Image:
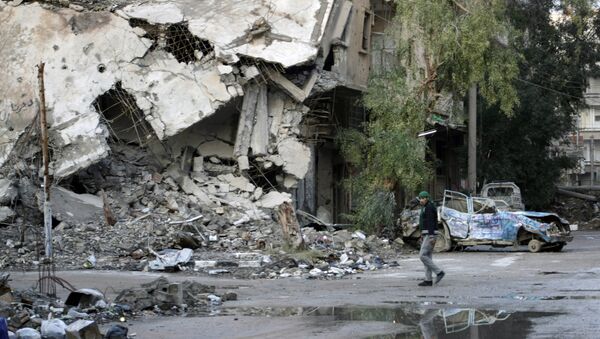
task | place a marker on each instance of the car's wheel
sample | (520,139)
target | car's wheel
(443,242)
(534,245)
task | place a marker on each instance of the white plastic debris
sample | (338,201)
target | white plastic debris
(53,329)
(360,235)
(343,258)
(170,258)
(90,262)
(28,333)
(214,300)
(315,272)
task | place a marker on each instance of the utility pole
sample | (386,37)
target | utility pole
(472,141)
(46,269)
(592,169)
(44,144)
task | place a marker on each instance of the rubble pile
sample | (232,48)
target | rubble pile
(185,152)
(174,220)
(585,214)
(29,314)
(152,211)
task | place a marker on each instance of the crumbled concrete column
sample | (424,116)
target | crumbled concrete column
(260,132)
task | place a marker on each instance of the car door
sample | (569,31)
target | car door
(455,213)
(485,222)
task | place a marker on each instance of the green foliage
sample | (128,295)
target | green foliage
(375,211)
(462,45)
(441,48)
(557,59)
(387,153)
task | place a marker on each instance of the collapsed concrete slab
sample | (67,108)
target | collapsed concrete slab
(268,31)
(274,199)
(77,208)
(171,62)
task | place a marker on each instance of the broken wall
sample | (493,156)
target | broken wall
(203,91)
(140,52)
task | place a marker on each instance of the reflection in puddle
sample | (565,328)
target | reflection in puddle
(552,297)
(413,321)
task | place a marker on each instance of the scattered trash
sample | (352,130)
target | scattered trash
(90,262)
(53,329)
(84,297)
(28,333)
(169,259)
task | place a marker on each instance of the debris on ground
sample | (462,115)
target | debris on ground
(160,226)
(583,213)
(34,315)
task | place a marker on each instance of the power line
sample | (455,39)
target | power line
(550,89)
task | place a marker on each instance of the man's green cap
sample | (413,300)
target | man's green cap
(424,194)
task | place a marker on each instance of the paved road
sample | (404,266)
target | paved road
(487,293)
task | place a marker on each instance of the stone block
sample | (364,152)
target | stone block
(83,329)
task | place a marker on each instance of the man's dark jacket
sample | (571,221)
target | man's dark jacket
(428,219)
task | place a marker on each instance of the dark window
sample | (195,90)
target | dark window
(366,37)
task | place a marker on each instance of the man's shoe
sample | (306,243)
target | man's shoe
(426,283)
(439,277)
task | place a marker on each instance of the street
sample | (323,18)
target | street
(509,294)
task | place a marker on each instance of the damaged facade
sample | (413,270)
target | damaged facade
(239,115)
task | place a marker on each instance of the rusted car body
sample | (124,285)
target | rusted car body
(469,221)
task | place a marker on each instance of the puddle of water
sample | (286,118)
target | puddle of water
(411,320)
(552,297)
(425,303)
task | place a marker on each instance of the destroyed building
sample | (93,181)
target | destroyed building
(180,108)
(239,104)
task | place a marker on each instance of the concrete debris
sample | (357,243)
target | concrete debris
(189,130)
(295,156)
(83,329)
(581,213)
(298,26)
(163,295)
(273,199)
(216,148)
(6,214)
(75,208)
(8,192)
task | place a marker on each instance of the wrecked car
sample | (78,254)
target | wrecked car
(506,194)
(469,221)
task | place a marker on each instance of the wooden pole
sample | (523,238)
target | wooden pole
(44,142)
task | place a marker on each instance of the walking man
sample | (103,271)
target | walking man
(428,224)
